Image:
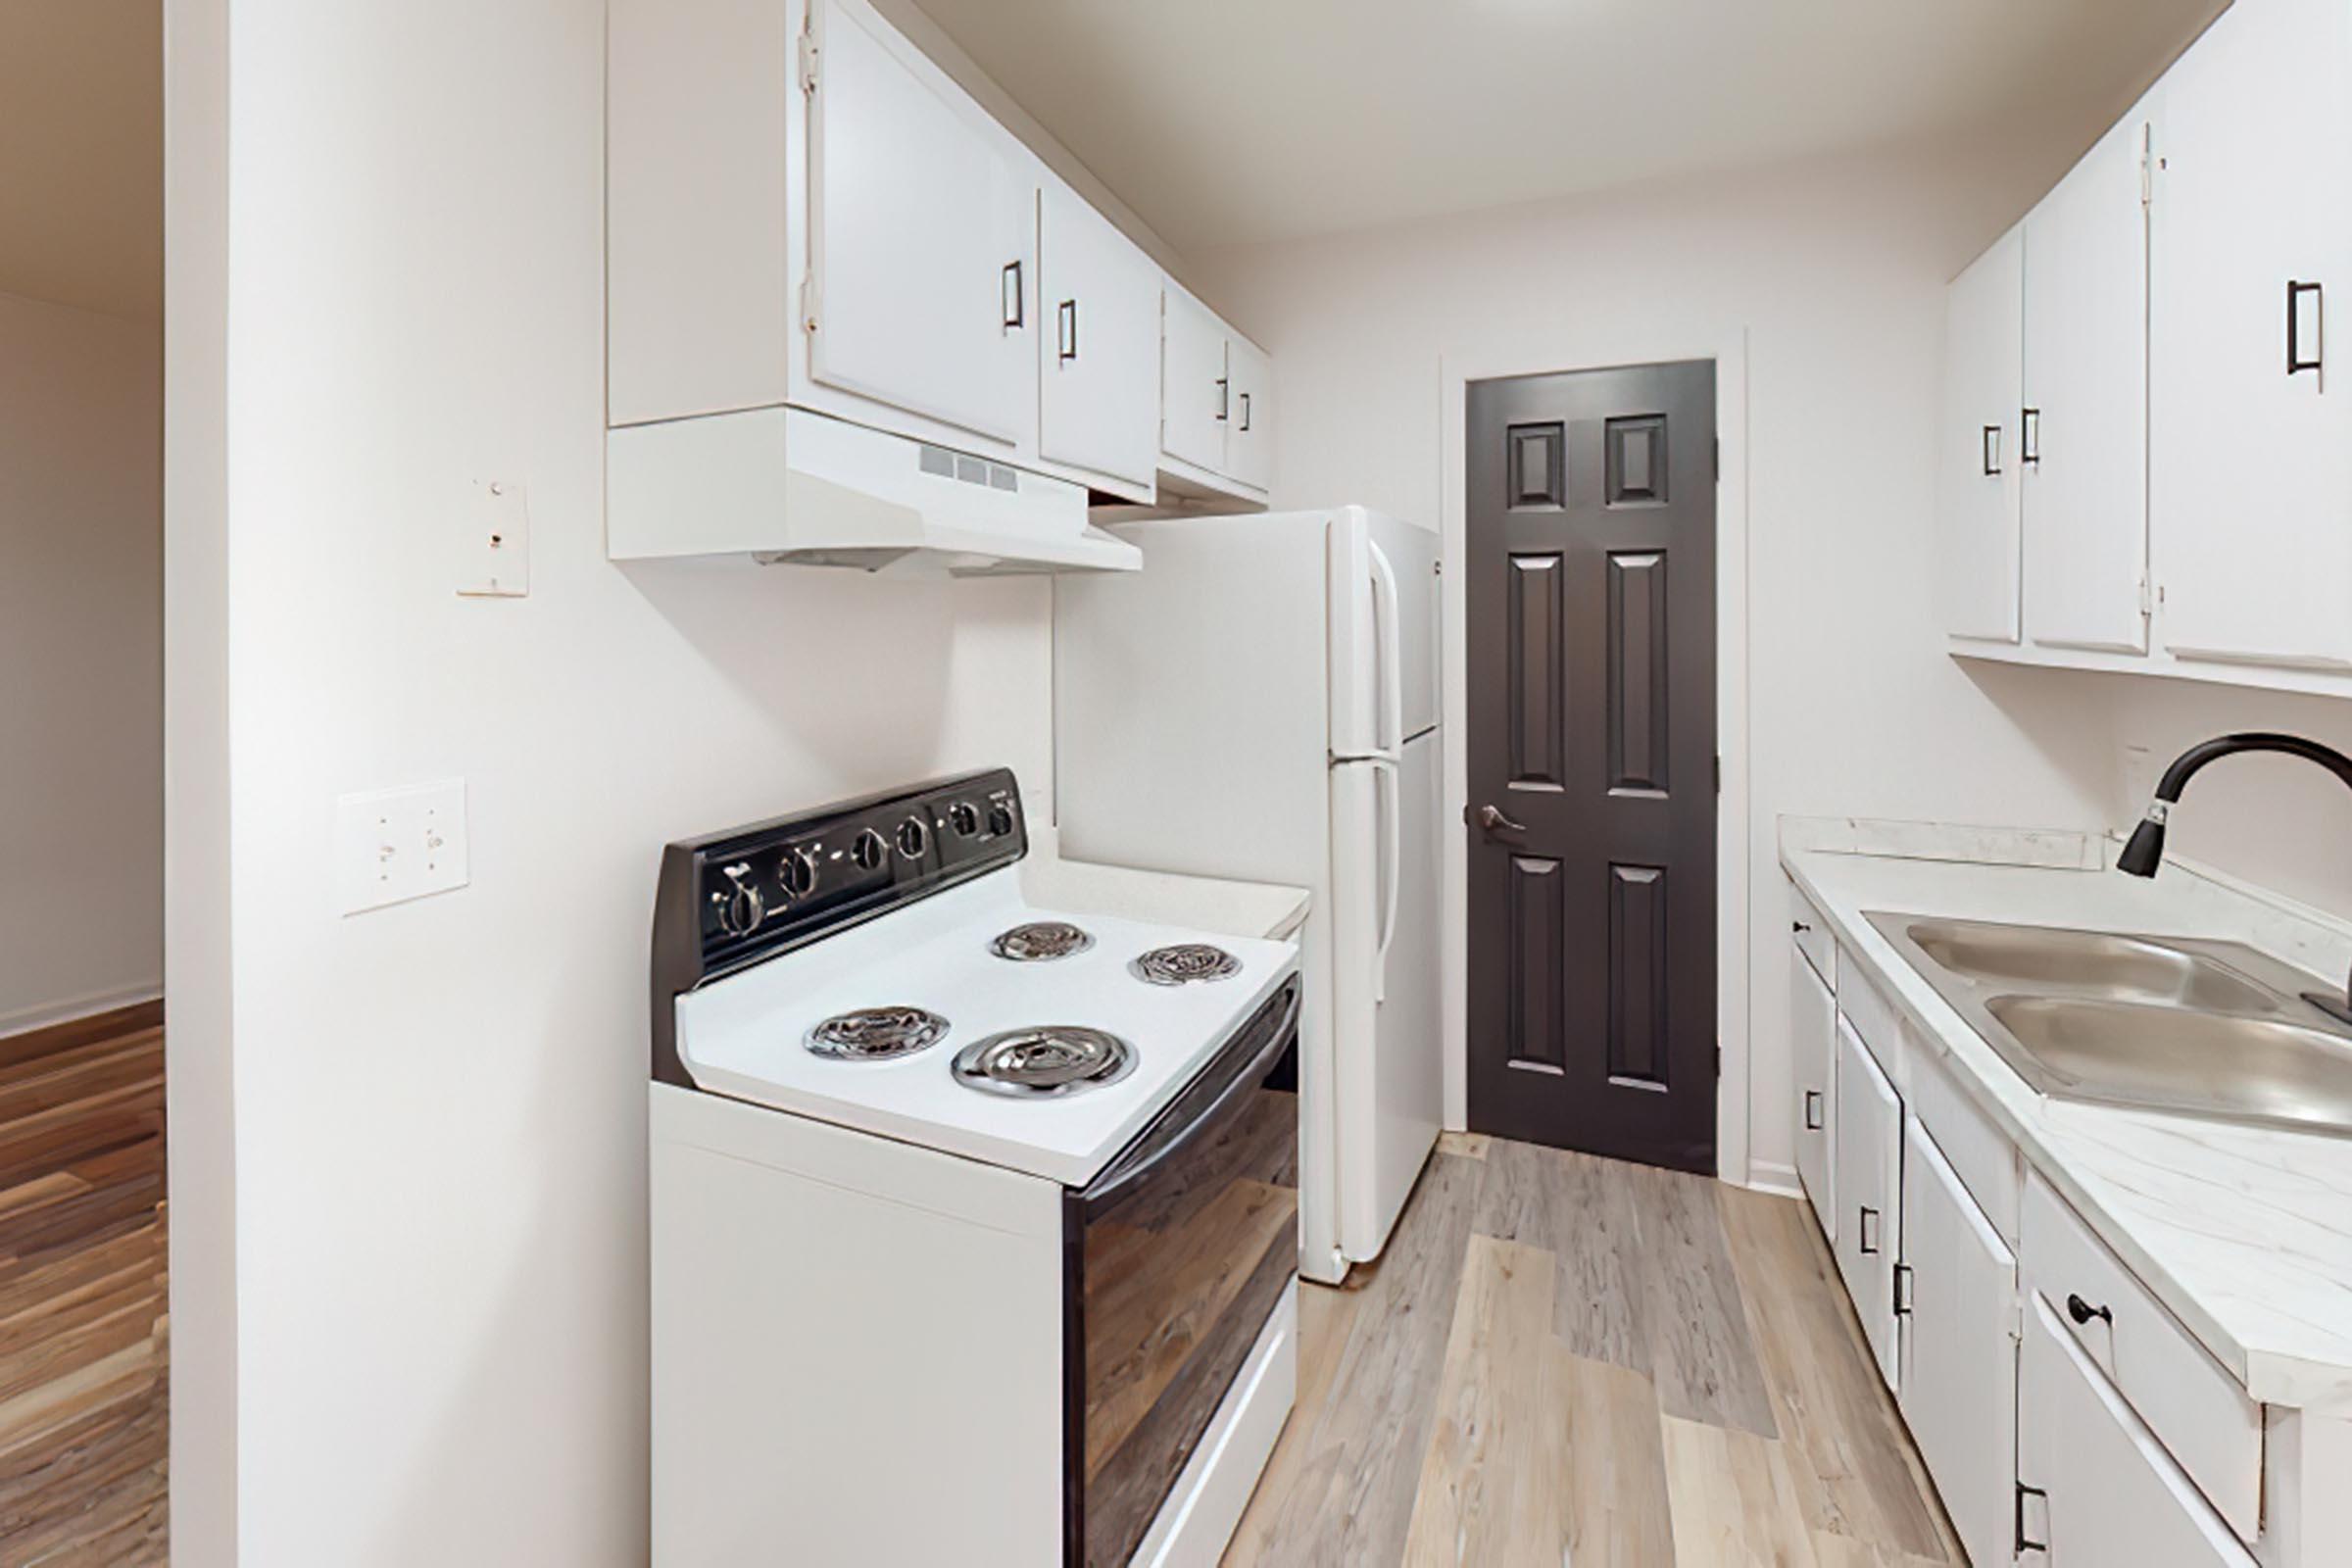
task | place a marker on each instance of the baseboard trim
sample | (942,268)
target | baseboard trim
(1765,1176)
(48,1015)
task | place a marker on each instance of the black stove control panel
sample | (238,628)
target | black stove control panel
(730,900)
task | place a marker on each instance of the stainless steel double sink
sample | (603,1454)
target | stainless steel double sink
(2179,1024)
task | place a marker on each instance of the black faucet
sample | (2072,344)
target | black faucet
(2146,850)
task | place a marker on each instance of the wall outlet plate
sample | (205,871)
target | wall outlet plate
(494,541)
(399,844)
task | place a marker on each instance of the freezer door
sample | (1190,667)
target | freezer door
(1384,632)
(1389,1067)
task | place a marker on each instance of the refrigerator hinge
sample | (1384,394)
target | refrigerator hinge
(808,58)
(2148,595)
(808,303)
(2147,167)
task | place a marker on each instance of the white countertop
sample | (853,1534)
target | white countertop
(2245,1234)
(1205,904)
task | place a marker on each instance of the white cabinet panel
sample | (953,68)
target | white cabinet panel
(1249,440)
(1959,1365)
(1813,1051)
(1978,496)
(2083,437)
(921,232)
(1195,391)
(1098,350)
(2251,464)
(2098,1490)
(1869,1181)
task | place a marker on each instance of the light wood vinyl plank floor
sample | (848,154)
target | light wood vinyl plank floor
(1563,1359)
(83,1325)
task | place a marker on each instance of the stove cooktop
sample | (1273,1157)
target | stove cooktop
(748,1034)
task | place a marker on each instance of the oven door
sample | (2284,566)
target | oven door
(1176,1256)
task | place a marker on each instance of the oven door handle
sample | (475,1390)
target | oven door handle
(1121,1180)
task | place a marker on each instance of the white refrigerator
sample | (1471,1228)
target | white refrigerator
(1260,702)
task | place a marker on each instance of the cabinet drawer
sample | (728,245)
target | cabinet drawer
(1980,1153)
(2196,1410)
(1872,1018)
(1813,938)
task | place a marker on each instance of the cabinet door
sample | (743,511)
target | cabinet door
(1249,444)
(921,227)
(1959,1363)
(1813,1058)
(1976,501)
(2251,466)
(1099,353)
(2083,436)
(1196,393)
(1869,1182)
(2096,1490)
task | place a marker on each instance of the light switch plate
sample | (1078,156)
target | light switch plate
(396,845)
(494,541)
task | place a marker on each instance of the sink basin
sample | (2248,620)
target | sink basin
(2246,1068)
(2122,968)
(2185,1024)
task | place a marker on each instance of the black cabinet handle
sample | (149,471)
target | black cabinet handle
(1812,1110)
(2029,435)
(2083,1311)
(2025,1543)
(2296,364)
(1245,410)
(1862,1240)
(1993,451)
(1014,309)
(1224,395)
(1798,926)
(1065,333)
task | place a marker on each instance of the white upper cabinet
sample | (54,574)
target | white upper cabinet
(1976,501)
(921,237)
(1196,394)
(2082,438)
(1249,443)
(1099,344)
(2251,482)
(1959,1372)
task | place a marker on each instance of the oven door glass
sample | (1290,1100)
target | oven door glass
(1179,1253)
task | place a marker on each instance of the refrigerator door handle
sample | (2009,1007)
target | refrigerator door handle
(1387,607)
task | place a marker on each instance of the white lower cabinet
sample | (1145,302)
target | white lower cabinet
(1869,1181)
(1813,1052)
(1959,1348)
(2095,1489)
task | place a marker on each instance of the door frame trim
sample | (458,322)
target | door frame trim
(1603,346)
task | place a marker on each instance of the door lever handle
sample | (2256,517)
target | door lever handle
(1494,821)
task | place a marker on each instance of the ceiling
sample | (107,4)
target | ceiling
(1238,121)
(81,153)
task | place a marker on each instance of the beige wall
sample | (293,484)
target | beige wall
(1836,272)
(80,661)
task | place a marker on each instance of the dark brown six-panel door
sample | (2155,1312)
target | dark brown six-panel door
(1593,773)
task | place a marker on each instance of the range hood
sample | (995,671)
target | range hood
(787,485)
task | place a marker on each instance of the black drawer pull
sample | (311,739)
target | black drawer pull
(2296,364)
(1992,452)
(1812,1110)
(2028,437)
(2083,1311)
(2025,1543)
(1800,927)
(1863,1240)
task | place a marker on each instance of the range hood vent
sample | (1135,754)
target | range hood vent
(789,486)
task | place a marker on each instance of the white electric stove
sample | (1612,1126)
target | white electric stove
(1003,1194)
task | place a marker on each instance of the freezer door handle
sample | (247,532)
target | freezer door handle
(1387,605)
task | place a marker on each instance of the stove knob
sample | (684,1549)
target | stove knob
(869,850)
(1000,820)
(798,873)
(742,909)
(914,838)
(965,817)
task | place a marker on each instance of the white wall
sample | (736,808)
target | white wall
(81,701)
(439,1118)
(1836,272)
